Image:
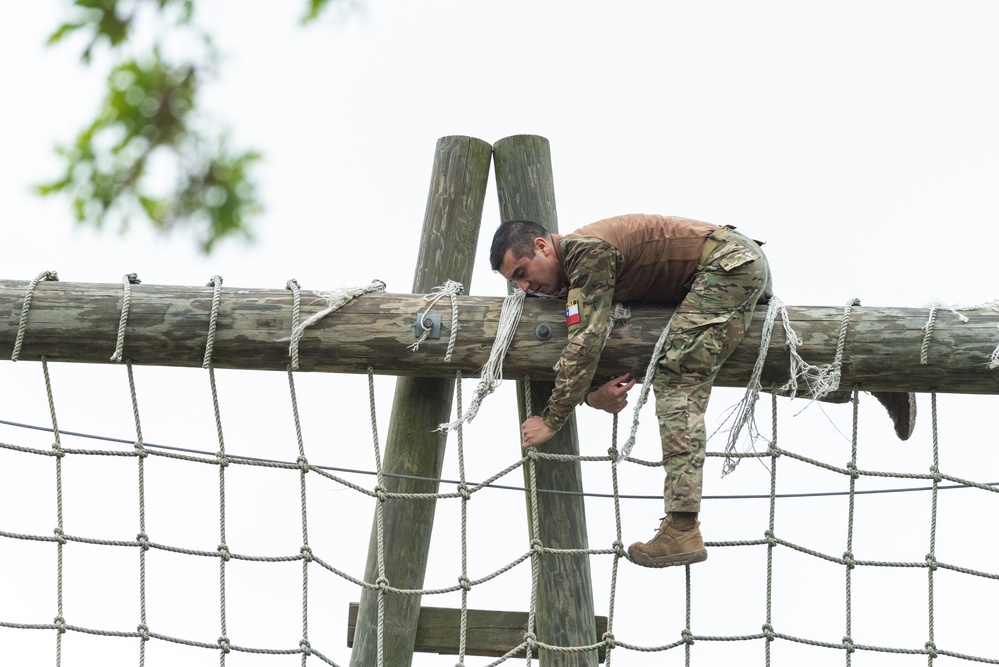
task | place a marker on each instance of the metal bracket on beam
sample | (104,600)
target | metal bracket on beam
(427,322)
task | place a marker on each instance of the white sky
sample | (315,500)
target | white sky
(858,138)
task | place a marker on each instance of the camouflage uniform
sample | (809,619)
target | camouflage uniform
(710,321)
(708,325)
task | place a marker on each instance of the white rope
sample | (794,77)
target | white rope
(127,281)
(820,380)
(450,289)
(745,411)
(650,373)
(22,324)
(937,304)
(620,314)
(334,301)
(492,372)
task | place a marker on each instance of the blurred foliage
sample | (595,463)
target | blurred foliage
(149,131)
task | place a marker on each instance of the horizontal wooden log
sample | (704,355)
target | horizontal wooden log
(168,326)
(488,633)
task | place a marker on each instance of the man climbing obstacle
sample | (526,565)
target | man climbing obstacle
(715,276)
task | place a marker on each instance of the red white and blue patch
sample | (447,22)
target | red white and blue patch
(572,313)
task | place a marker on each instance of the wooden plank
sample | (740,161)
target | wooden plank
(526,191)
(168,326)
(488,633)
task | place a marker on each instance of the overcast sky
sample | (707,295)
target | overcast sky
(859,139)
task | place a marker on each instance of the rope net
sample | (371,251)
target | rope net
(224,522)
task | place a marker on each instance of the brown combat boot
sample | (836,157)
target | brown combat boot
(901,408)
(674,544)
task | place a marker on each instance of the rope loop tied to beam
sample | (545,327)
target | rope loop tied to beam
(127,281)
(215,282)
(335,300)
(22,324)
(450,289)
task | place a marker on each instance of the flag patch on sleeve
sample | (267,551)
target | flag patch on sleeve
(572,312)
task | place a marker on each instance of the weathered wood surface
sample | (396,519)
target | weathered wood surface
(526,191)
(168,326)
(488,633)
(414,450)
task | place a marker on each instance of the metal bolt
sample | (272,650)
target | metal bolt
(543,332)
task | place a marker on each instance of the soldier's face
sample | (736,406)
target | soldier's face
(539,273)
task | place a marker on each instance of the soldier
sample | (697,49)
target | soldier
(715,275)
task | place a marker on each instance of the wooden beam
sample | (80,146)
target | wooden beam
(526,191)
(414,451)
(168,326)
(488,633)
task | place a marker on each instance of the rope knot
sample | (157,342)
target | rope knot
(618,548)
(852,467)
(465,583)
(768,631)
(143,631)
(224,644)
(143,541)
(381,493)
(60,536)
(140,449)
(303,463)
(224,553)
(608,640)
(931,649)
(306,648)
(771,539)
(60,624)
(688,637)
(848,644)
(537,547)
(464,492)
(612,453)
(530,640)
(848,560)
(931,562)
(383,584)
(935,471)
(222,459)
(306,552)
(57,448)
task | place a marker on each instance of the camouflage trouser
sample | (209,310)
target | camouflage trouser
(708,325)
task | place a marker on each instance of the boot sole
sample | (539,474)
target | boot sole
(638,558)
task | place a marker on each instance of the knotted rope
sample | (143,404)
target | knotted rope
(22,324)
(492,372)
(127,281)
(820,380)
(745,412)
(334,301)
(450,289)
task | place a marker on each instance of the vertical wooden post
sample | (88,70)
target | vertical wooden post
(413,447)
(565,596)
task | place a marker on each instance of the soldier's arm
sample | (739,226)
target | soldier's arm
(591,266)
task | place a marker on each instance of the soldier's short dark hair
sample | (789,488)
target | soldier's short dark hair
(517,236)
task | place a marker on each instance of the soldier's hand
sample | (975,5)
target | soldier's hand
(535,431)
(612,397)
